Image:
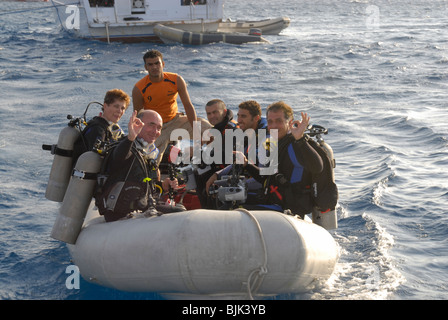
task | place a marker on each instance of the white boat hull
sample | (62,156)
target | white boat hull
(206,254)
(121,23)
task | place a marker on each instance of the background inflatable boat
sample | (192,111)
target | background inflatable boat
(173,35)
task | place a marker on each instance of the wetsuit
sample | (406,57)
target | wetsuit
(290,187)
(201,179)
(128,187)
(225,124)
(253,185)
(262,124)
(97,128)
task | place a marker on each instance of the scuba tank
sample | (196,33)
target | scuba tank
(326,219)
(329,150)
(62,166)
(63,151)
(77,198)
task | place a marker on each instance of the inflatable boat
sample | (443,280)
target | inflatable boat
(206,254)
(198,253)
(172,35)
(267,26)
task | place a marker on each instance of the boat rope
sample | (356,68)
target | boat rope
(257,274)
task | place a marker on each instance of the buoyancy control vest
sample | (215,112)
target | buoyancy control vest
(130,189)
(320,192)
(226,124)
(290,186)
(97,129)
(324,191)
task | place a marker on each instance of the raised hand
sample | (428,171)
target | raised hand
(298,127)
(135,125)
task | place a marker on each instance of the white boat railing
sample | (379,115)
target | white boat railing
(106,24)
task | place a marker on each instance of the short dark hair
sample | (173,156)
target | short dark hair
(252,106)
(152,54)
(117,94)
(220,103)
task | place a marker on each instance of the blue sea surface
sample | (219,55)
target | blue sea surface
(375,73)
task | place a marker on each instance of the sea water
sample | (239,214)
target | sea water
(375,73)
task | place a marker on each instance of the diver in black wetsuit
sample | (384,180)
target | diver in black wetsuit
(290,187)
(133,171)
(249,117)
(104,127)
(222,119)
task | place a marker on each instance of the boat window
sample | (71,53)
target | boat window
(194,2)
(101,3)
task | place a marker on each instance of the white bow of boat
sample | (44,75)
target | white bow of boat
(206,254)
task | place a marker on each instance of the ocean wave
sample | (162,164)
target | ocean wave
(37,276)
(366,269)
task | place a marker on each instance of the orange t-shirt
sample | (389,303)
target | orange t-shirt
(160,96)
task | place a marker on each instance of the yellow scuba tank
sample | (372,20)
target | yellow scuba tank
(61,168)
(77,198)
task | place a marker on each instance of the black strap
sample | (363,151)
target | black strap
(84,175)
(58,151)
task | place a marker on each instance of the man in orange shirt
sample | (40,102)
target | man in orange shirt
(158,91)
